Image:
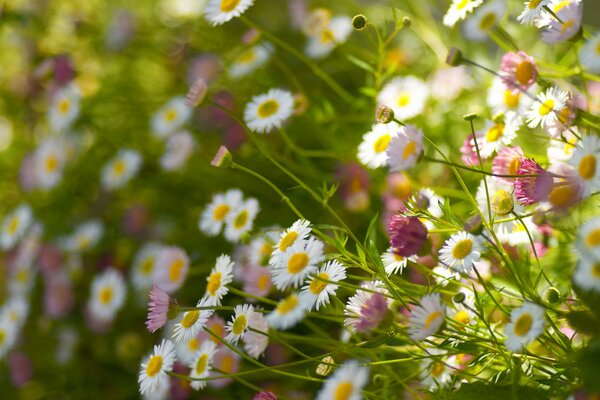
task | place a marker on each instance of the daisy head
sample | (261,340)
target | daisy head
(533,10)
(507,162)
(586,163)
(237,327)
(64,108)
(534,184)
(590,54)
(567,189)
(458,11)
(256,340)
(228,362)
(518,71)
(192,322)
(170,271)
(15,225)
(405,95)
(405,148)
(49,159)
(107,295)
(262,246)
(346,382)
(180,147)
(526,324)
(407,235)
(257,280)
(124,166)
(393,262)
(300,260)
(249,60)
(215,214)
(268,111)
(483,20)
(144,264)
(171,117)
(288,313)
(587,274)
(220,276)
(426,318)
(153,371)
(503,99)
(158,309)
(461,252)
(329,36)
(241,219)
(498,134)
(201,364)
(372,152)
(569,25)
(299,231)
(502,202)
(588,240)
(544,111)
(367,309)
(217,12)
(436,372)
(322,285)
(561,150)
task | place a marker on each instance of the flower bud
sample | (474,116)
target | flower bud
(384,114)
(552,295)
(196,93)
(459,298)
(407,235)
(223,158)
(455,57)
(470,117)
(474,225)
(406,21)
(359,22)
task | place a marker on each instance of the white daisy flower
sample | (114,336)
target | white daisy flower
(64,108)
(8,335)
(261,247)
(426,318)
(587,274)
(153,371)
(533,9)
(367,307)
(504,100)
(256,343)
(171,117)
(405,148)
(588,240)
(460,252)
(346,382)
(15,226)
(180,147)
(462,312)
(503,203)
(297,263)
(214,215)
(497,135)
(318,288)
(315,21)
(545,109)
(86,237)
(372,151)
(269,110)
(143,266)
(447,83)
(288,313)
(49,160)
(483,20)
(239,324)
(435,372)
(458,11)
(118,171)
(241,219)
(586,164)
(426,200)
(393,262)
(526,324)
(405,95)
(220,276)
(107,295)
(520,233)
(590,54)
(570,17)
(201,365)
(249,60)
(299,231)
(15,310)
(171,268)
(217,12)
(186,350)
(559,151)
(192,323)
(325,40)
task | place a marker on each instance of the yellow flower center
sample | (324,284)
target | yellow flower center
(561,194)
(13,225)
(239,325)
(154,365)
(511,100)
(403,99)
(513,166)
(525,71)
(523,324)
(494,133)
(265,251)
(559,6)
(63,106)
(502,202)
(190,318)
(598,48)
(381,144)
(227,364)
(220,212)
(409,150)
(22,276)
(462,4)
(462,249)
(51,163)
(596,270)
(343,391)
(2,337)
(403,189)
(297,262)
(240,220)
(430,318)
(534,3)
(147,266)
(218,329)
(175,269)
(201,364)
(316,285)
(288,304)
(487,22)
(119,167)
(593,238)
(214,283)
(268,108)
(327,36)
(288,240)
(247,57)
(437,369)
(170,115)
(547,107)
(462,317)
(263,281)
(193,344)
(566,25)
(587,167)
(106,295)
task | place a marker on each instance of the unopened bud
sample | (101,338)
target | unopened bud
(223,158)
(455,57)
(406,21)
(459,298)
(552,295)
(384,114)
(470,117)
(474,225)
(196,93)
(359,22)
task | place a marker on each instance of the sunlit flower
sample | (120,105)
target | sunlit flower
(241,219)
(367,308)
(526,324)
(171,117)
(587,274)
(497,135)
(239,324)
(118,171)
(171,268)
(193,322)
(530,189)
(483,20)
(318,288)
(461,251)
(499,202)
(503,99)
(299,231)
(507,162)
(300,260)
(393,262)
(268,111)
(446,84)
(346,382)
(262,246)
(436,372)
(15,226)
(153,371)
(586,163)
(590,54)
(180,147)
(407,235)
(569,25)
(214,215)
(426,318)
(567,189)
(322,42)
(458,11)
(249,60)
(532,10)
(372,151)
(288,313)
(405,148)
(562,150)
(518,71)
(107,295)
(143,266)
(64,108)
(201,364)
(588,240)
(220,276)
(217,12)
(405,95)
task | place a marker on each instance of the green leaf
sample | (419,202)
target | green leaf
(480,391)
(361,64)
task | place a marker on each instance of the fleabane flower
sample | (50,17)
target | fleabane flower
(15,225)
(483,20)
(507,162)
(518,71)
(158,309)
(86,237)
(241,219)
(407,235)
(240,322)
(180,147)
(193,322)
(107,295)
(405,95)
(458,11)
(170,271)
(249,60)
(334,33)
(394,262)
(367,309)
(346,382)
(201,364)
(569,25)
(49,159)
(372,151)
(144,264)
(526,324)
(118,171)
(217,12)
(153,371)
(215,214)
(544,111)
(220,276)
(499,202)
(590,54)
(255,343)
(299,231)
(405,148)
(497,135)
(587,274)
(534,184)
(436,372)
(588,240)
(586,164)
(461,251)
(8,335)
(532,11)
(64,108)
(503,99)
(170,117)
(288,312)
(427,317)
(318,289)
(300,260)
(268,111)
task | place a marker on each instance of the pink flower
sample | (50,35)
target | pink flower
(532,189)
(264,396)
(21,368)
(507,162)
(172,265)
(468,153)
(257,281)
(372,312)
(567,190)
(518,71)
(158,308)
(58,296)
(354,186)
(407,235)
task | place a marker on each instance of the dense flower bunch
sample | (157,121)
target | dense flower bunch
(275,199)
